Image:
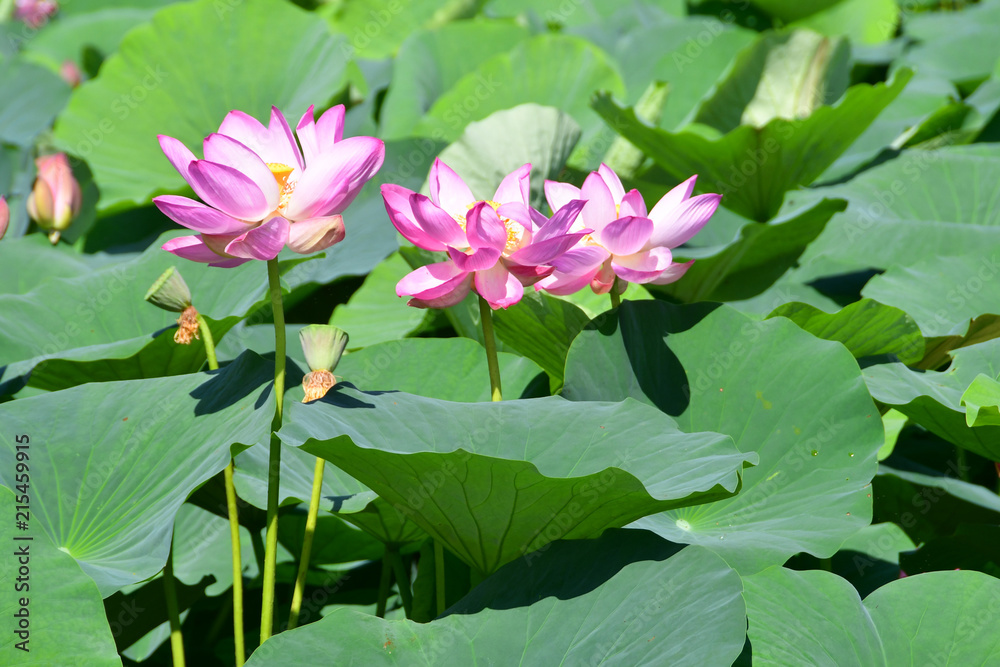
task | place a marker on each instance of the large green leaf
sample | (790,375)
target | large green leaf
(754,167)
(791,10)
(167,78)
(981,400)
(866,328)
(688,54)
(808,618)
(942,293)
(934,399)
(755,260)
(376,28)
(114,461)
(73,38)
(864,21)
(798,401)
(430,62)
(448,369)
(930,502)
(494,481)
(550,70)
(817,618)
(28,261)
(685,610)
(374,314)
(923,204)
(63,616)
(30,97)
(959,46)
(558,13)
(97,327)
(202,547)
(921,98)
(541,136)
(938,615)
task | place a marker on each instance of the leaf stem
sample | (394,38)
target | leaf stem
(486,318)
(307,542)
(169,588)
(234,517)
(274,460)
(383,585)
(439,576)
(402,580)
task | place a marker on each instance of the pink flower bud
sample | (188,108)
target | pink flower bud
(55,198)
(70,73)
(4,216)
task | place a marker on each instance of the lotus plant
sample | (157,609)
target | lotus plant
(55,197)
(261,192)
(628,243)
(323,346)
(494,246)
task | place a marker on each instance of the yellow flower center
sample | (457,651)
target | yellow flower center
(281,173)
(515,231)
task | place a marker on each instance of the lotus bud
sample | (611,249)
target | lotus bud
(70,73)
(55,198)
(171,293)
(323,346)
(4,216)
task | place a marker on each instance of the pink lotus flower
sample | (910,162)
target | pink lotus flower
(55,197)
(494,246)
(4,216)
(34,13)
(262,192)
(627,242)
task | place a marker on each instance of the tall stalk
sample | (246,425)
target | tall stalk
(173,613)
(307,542)
(234,518)
(274,460)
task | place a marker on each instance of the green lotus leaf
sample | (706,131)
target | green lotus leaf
(711,367)
(119,458)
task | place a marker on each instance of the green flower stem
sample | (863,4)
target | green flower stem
(234,518)
(616,298)
(274,461)
(307,542)
(439,576)
(486,317)
(402,580)
(383,585)
(206,337)
(234,540)
(169,588)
